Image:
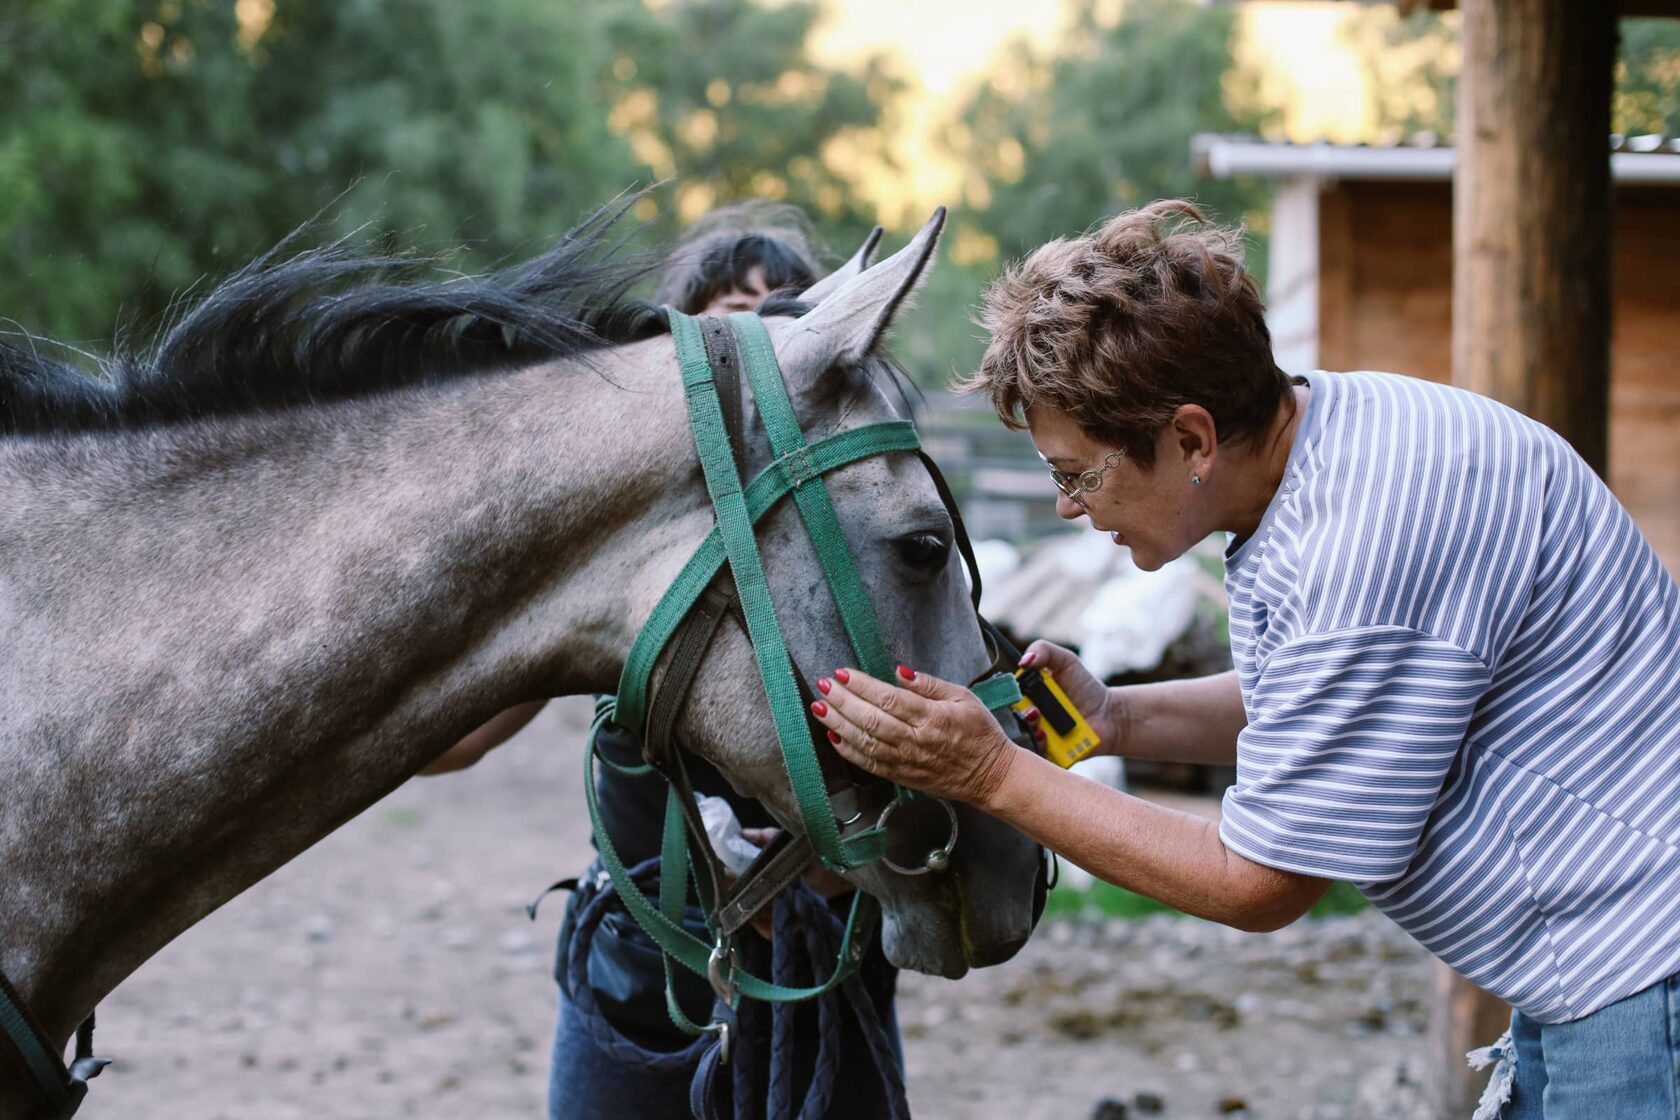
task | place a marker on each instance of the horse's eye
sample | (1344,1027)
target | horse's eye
(923,551)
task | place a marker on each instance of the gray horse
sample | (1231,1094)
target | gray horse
(254,579)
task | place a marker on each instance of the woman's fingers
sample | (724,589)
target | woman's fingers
(921,732)
(878,711)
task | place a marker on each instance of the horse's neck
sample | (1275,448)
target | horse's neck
(220,643)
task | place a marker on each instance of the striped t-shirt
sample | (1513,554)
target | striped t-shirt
(1460,662)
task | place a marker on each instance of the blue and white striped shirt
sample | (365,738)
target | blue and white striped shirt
(1460,662)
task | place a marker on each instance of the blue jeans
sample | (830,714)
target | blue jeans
(1622,1062)
(587,1083)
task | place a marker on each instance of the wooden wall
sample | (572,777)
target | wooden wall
(1385,302)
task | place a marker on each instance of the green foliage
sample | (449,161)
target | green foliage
(1412,65)
(1100,125)
(149,144)
(1105,124)
(1647,97)
(728,102)
(1103,900)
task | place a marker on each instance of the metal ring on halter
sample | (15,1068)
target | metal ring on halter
(722,986)
(939,858)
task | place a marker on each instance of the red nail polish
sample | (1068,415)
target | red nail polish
(906,672)
(1026,662)
(1032,715)
(842,676)
(819,709)
(1038,736)
(834,736)
(824,684)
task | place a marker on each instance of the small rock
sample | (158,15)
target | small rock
(318,927)
(1229,1105)
(1146,1102)
(1110,1109)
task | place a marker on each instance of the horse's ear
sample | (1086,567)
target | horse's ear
(861,260)
(844,327)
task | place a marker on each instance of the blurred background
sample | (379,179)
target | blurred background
(148,147)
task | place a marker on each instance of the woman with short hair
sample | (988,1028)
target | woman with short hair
(1457,661)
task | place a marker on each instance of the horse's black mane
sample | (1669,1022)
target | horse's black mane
(335,322)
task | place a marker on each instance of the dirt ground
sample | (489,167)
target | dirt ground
(391,971)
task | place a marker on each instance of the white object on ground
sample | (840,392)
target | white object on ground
(735,851)
(1135,616)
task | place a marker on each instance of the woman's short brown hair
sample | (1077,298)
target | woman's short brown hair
(1120,327)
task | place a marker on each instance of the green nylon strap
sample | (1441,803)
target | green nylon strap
(776,482)
(999,691)
(857,611)
(673,894)
(775,667)
(683,946)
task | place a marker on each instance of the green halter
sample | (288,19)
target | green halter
(798,468)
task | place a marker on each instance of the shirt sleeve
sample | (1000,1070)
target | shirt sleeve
(1350,738)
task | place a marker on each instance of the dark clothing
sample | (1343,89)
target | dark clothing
(626,974)
(633,809)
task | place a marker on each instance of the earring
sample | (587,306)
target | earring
(1195,480)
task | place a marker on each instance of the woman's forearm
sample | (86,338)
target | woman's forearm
(1195,720)
(1171,856)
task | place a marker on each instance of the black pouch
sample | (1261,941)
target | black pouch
(627,973)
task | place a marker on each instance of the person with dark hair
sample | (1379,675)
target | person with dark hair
(1457,679)
(734,257)
(732,260)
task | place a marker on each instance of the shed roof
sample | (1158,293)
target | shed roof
(1634,160)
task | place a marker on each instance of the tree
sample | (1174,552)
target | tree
(1105,125)
(1412,67)
(723,98)
(147,145)
(1057,142)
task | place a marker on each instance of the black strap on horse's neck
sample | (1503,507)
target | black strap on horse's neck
(59,1090)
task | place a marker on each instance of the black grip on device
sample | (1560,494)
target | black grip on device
(1049,708)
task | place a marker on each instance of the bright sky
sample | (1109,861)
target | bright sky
(950,44)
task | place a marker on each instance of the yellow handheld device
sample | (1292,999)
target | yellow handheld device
(1068,737)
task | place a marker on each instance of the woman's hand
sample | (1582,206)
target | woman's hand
(921,732)
(1101,706)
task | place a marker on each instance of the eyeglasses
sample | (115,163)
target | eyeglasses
(1085,482)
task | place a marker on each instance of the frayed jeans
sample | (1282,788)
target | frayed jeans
(1622,1062)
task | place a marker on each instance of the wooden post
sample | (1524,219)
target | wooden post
(1531,292)
(1531,213)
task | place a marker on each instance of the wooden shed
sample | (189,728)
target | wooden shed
(1360,276)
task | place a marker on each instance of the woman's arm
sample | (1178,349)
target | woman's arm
(1173,857)
(497,730)
(937,737)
